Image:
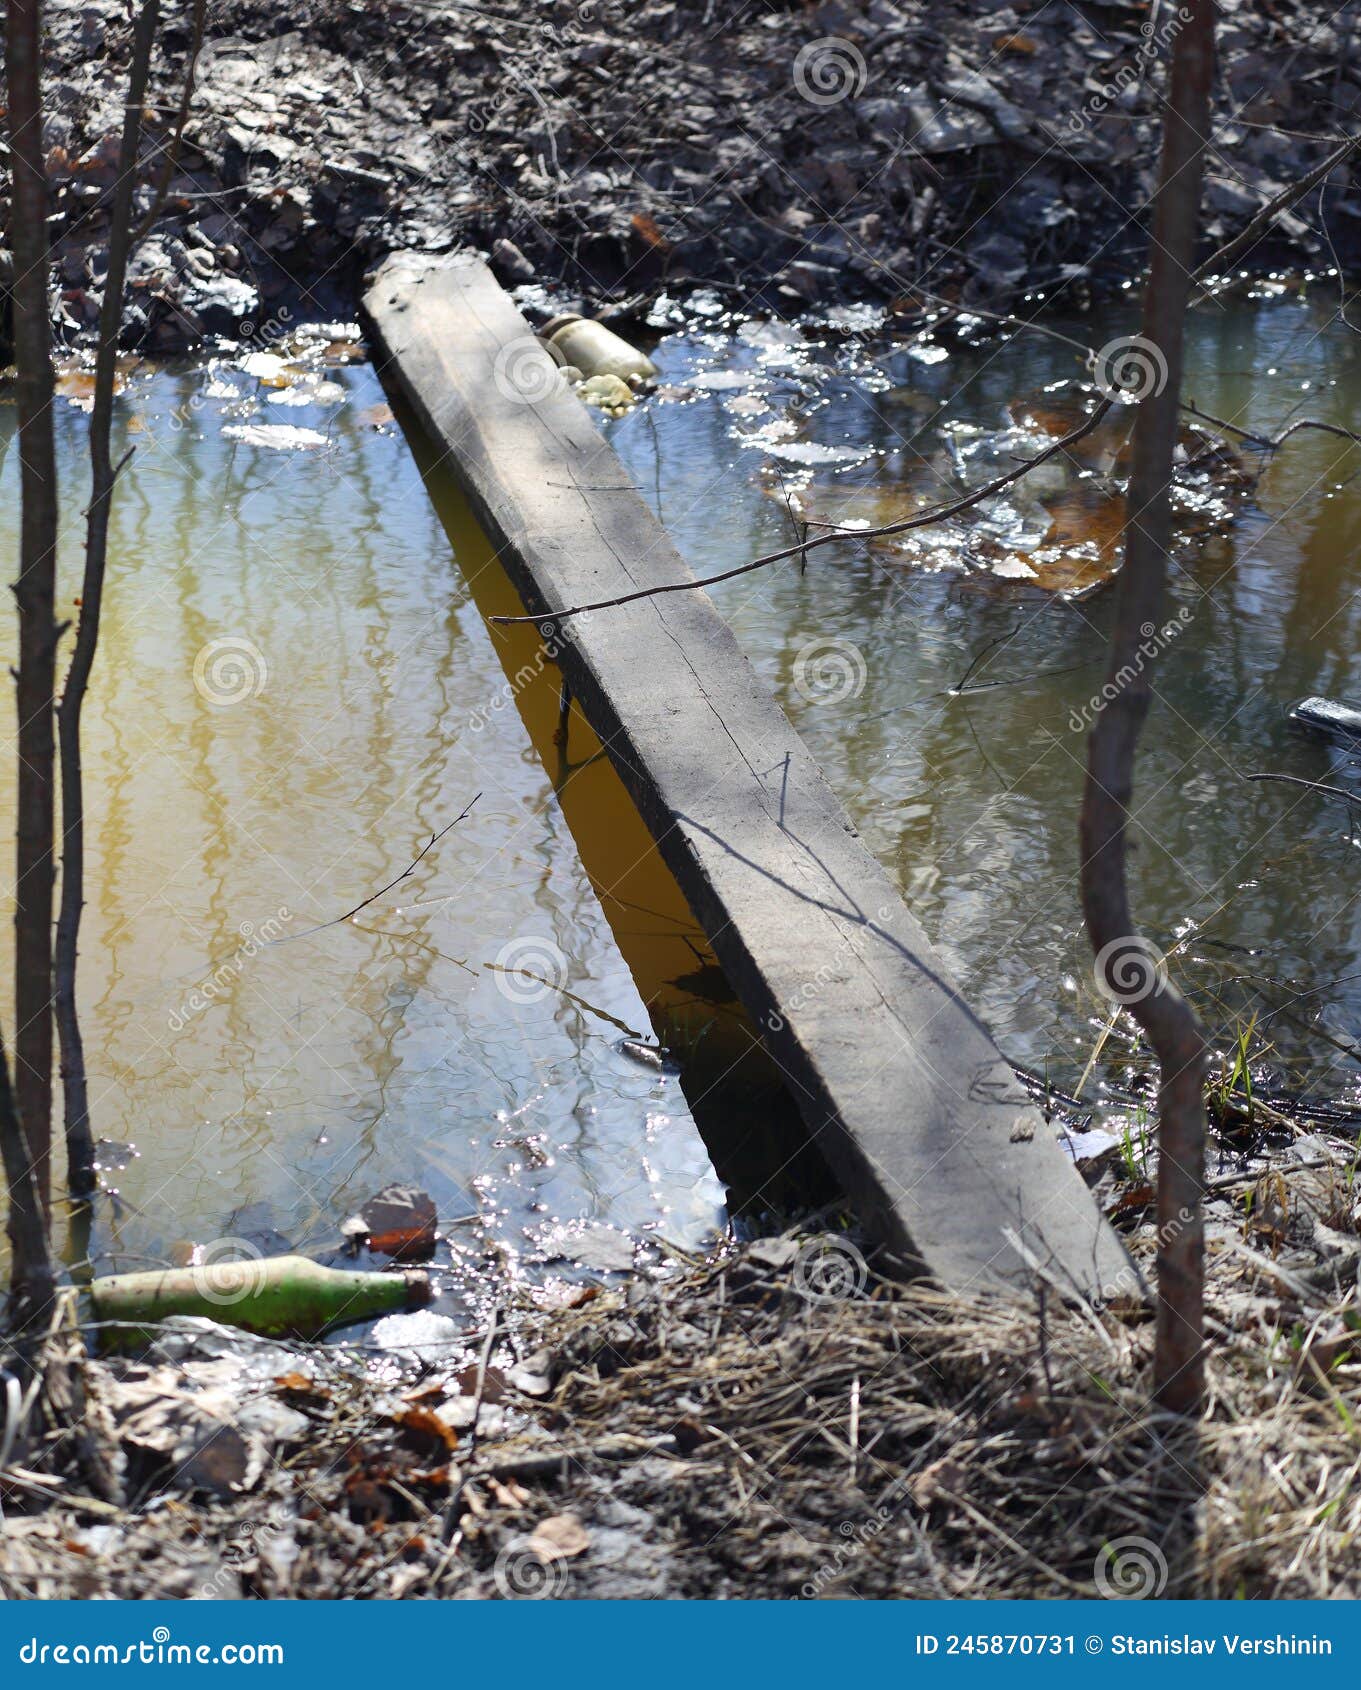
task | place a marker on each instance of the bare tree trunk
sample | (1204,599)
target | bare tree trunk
(32,1287)
(75,1089)
(171,157)
(35,590)
(1127,966)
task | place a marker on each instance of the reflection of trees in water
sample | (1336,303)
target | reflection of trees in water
(971,799)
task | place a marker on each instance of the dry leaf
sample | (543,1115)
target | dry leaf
(426,1430)
(559,1538)
(400,1221)
(646,229)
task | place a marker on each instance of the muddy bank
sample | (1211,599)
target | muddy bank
(792,155)
(772,1422)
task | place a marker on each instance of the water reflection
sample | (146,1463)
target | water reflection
(273,1068)
(272,1077)
(970,794)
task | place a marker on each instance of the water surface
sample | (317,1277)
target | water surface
(947,693)
(297,689)
(294,692)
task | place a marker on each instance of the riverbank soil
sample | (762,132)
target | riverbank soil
(790,155)
(776,1422)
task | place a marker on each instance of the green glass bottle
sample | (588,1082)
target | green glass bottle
(276,1297)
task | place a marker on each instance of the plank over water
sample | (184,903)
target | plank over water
(948,1165)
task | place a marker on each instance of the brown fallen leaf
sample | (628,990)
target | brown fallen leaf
(559,1538)
(646,229)
(426,1430)
(299,1386)
(494,1383)
(1130,1201)
(398,1221)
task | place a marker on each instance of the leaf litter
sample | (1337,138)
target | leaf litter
(708,1430)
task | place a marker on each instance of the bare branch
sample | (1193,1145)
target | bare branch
(172,151)
(373,897)
(1311,785)
(937,513)
(1220,261)
(1271,443)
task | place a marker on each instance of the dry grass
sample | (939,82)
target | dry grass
(722,1433)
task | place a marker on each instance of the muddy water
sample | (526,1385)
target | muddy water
(946,691)
(295,690)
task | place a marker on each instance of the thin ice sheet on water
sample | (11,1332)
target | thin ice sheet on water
(278,437)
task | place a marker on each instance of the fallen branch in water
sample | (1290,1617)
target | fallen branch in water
(937,513)
(1313,786)
(373,897)
(1270,443)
